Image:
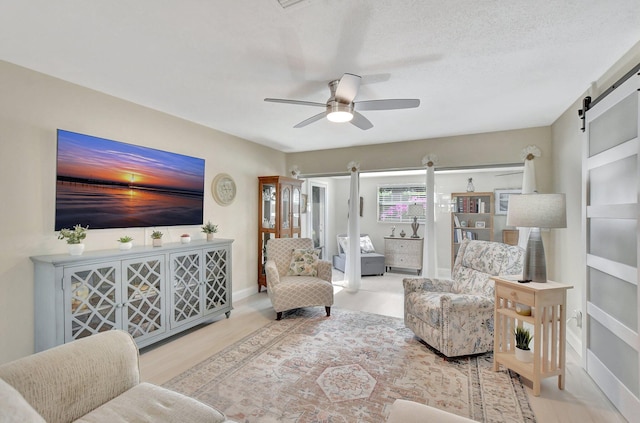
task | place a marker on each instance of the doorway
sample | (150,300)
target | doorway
(318,218)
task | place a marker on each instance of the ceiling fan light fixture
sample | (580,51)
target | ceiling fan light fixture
(339,112)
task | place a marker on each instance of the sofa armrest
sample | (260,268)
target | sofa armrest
(271,271)
(70,380)
(324,270)
(426,284)
(461,301)
(403,411)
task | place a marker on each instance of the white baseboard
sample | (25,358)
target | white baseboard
(575,341)
(247,292)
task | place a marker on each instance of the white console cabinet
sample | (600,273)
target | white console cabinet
(403,253)
(151,292)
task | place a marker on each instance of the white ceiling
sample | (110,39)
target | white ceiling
(476,65)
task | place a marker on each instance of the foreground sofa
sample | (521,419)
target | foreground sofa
(403,411)
(94,379)
(456,316)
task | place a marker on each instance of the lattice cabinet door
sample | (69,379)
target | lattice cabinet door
(186,287)
(143,287)
(217,289)
(92,298)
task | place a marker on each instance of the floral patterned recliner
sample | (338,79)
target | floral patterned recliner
(296,277)
(456,316)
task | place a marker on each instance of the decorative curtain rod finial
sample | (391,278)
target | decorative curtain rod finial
(430,160)
(530,153)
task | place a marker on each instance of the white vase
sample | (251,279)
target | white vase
(185,239)
(156,242)
(76,249)
(209,237)
(126,245)
(525,356)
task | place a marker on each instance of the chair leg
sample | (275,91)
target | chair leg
(279,315)
(328,310)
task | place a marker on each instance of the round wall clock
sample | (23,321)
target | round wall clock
(223,189)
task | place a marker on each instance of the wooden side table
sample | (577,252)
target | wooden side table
(548,318)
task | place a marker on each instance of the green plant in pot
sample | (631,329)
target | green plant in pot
(74,238)
(156,237)
(210,229)
(126,242)
(523,339)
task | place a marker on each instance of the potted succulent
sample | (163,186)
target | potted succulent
(74,238)
(523,339)
(210,229)
(126,242)
(156,237)
(185,238)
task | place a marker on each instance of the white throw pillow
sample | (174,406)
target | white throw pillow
(366,246)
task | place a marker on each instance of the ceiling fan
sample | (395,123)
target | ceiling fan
(341,106)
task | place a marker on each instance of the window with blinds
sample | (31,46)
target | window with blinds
(394,202)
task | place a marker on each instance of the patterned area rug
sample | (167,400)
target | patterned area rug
(346,368)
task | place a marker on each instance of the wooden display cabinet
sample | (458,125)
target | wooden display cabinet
(278,215)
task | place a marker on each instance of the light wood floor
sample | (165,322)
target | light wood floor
(581,401)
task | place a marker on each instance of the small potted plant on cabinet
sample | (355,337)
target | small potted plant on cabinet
(185,238)
(156,238)
(523,339)
(210,229)
(74,238)
(126,242)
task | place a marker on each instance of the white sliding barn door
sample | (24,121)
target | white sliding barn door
(610,222)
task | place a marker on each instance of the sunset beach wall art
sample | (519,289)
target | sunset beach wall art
(109,184)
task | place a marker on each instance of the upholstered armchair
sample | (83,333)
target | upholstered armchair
(456,316)
(296,278)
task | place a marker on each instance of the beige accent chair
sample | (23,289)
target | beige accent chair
(288,292)
(456,316)
(93,379)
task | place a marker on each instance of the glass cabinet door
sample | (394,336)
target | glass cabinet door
(295,208)
(268,206)
(94,298)
(285,217)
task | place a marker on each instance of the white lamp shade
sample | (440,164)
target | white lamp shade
(537,211)
(415,210)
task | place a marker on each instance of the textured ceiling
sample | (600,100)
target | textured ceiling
(476,66)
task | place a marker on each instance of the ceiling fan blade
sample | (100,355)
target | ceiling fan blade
(298,102)
(361,121)
(312,119)
(348,88)
(389,104)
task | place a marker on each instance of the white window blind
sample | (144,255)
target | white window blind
(394,202)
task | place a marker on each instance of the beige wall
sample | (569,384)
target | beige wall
(32,107)
(567,246)
(468,150)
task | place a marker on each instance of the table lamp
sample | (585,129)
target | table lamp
(415,210)
(536,211)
